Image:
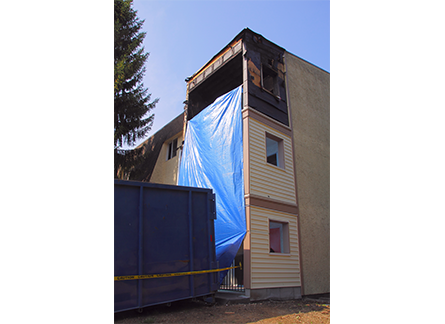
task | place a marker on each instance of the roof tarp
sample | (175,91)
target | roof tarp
(213,158)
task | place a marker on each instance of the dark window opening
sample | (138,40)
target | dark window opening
(272,159)
(224,79)
(269,80)
(274,150)
(172,147)
(278,237)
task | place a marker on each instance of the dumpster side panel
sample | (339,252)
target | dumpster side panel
(165,246)
(200,237)
(162,229)
(126,240)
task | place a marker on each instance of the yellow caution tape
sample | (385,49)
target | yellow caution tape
(162,275)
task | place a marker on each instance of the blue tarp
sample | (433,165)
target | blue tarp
(213,158)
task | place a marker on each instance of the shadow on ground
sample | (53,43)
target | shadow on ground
(189,311)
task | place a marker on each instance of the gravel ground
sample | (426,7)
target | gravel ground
(285,312)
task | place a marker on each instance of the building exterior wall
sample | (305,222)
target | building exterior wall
(273,270)
(297,194)
(267,180)
(308,99)
(166,171)
(270,196)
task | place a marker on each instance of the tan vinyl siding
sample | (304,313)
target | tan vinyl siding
(270,270)
(268,180)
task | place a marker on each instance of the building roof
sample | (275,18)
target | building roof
(152,147)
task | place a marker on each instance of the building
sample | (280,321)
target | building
(286,148)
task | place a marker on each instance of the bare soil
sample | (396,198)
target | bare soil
(281,312)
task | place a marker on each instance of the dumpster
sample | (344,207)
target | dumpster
(164,244)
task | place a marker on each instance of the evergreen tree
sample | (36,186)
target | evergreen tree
(132,103)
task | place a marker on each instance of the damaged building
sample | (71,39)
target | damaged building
(285,162)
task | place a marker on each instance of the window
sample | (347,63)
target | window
(274,150)
(172,147)
(269,80)
(278,237)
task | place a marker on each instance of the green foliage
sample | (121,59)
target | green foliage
(132,105)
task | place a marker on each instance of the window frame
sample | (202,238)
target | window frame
(266,69)
(171,151)
(280,153)
(284,237)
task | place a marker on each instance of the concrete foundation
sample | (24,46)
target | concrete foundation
(274,293)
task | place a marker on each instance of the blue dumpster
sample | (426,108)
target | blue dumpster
(164,244)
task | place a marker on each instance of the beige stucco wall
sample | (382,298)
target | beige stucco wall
(166,172)
(308,92)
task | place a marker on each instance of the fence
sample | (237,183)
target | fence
(233,281)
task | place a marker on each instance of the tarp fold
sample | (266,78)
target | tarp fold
(213,158)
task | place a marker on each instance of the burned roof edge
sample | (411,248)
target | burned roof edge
(239,36)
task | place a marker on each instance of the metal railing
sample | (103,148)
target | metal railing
(233,281)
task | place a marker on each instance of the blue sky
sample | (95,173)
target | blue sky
(183,35)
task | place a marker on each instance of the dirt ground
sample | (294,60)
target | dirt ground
(280,312)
